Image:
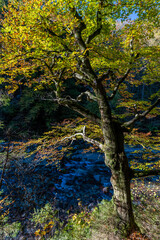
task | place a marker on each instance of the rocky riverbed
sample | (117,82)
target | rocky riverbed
(82,177)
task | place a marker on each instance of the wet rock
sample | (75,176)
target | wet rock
(32,183)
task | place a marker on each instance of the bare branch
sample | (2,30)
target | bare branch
(87,74)
(133,56)
(131,47)
(80,109)
(80,77)
(142,115)
(58,83)
(90,96)
(85,138)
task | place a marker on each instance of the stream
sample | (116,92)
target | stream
(81,177)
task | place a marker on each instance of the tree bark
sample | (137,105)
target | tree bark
(116,160)
(121,176)
(122,195)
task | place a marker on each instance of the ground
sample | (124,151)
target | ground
(146,205)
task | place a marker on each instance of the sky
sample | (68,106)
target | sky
(133,16)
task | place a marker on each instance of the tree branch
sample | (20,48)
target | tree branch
(78,30)
(87,74)
(62,42)
(98,30)
(118,84)
(71,103)
(85,138)
(55,35)
(90,96)
(104,76)
(80,77)
(142,115)
(132,60)
(75,106)
(145,173)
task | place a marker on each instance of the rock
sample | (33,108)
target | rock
(106,190)
(33,183)
(97,178)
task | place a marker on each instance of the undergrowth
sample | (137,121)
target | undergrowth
(98,224)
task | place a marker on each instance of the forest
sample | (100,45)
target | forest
(79,120)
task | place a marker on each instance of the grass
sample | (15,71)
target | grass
(146,207)
(102,220)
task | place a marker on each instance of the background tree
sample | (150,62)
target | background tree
(81,39)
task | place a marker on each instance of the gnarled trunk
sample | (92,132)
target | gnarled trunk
(121,176)
(116,160)
(122,195)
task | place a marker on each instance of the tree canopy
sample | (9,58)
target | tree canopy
(42,34)
(59,39)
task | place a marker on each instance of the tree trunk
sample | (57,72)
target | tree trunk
(122,195)
(116,160)
(121,176)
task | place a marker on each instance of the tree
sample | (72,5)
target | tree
(2,3)
(94,43)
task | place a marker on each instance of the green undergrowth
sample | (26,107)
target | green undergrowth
(8,230)
(146,207)
(100,223)
(104,218)
(83,225)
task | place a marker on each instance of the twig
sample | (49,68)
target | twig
(5,164)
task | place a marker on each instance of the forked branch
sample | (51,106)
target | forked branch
(118,84)
(133,58)
(67,49)
(75,106)
(89,95)
(98,30)
(78,30)
(139,116)
(85,138)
